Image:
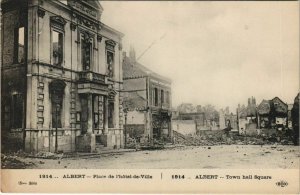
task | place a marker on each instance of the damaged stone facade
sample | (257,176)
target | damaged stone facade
(61,77)
(147,101)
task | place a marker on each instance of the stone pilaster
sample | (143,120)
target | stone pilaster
(73,106)
(121,110)
(101,112)
(40,104)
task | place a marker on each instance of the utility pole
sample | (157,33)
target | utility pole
(56,118)
(125,127)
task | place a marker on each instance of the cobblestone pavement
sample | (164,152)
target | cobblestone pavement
(202,157)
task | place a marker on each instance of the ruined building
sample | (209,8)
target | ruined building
(147,101)
(295,119)
(61,76)
(227,120)
(247,117)
(272,114)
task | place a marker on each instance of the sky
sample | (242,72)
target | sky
(218,53)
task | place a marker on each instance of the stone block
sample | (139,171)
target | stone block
(85,143)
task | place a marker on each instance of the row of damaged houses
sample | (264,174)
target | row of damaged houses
(269,114)
(66,84)
(270,117)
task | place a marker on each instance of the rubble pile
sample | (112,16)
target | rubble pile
(190,140)
(14,162)
(155,145)
(144,144)
(224,138)
(47,155)
(131,143)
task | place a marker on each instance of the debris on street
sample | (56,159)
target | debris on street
(222,138)
(14,162)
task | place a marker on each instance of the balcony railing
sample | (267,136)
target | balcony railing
(89,76)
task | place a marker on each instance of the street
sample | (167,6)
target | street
(201,157)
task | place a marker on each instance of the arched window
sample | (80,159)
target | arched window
(56,90)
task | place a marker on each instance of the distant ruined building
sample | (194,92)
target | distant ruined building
(247,117)
(272,114)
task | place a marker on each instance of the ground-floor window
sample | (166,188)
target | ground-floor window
(56,115)
(111,108)
(56,89)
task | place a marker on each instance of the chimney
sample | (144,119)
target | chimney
(132,54)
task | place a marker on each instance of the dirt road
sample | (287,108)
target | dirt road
(202,157)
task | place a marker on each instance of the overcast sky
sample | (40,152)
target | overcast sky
(216,53)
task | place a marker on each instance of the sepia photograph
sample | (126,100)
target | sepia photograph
(149,86)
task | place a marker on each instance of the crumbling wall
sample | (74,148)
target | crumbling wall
(242,126)
(251,129)
(135,117)
(184,126)
(10,23)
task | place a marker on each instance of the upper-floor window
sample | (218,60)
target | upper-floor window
(57,40)
(162,96)
(19,46)
(110,49)
(86,54)
(57,47)
(110,63)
